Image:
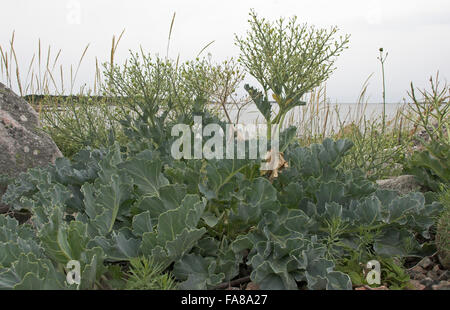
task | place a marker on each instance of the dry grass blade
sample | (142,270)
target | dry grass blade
(30,67)
(1,60)
(39,65)
(73,77)
(170,34)
(53,82)
(206,46)
(56,59)
(19,84)
(62,78)
(114,45)
(97,79)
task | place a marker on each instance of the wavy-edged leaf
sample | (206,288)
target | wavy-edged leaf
(146,175)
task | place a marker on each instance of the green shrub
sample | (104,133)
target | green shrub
(152,94)
(77,122)
(431,164)
(288,60)
(378,155)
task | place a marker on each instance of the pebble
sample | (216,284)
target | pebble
(433,275)
(444,276)
(437,270)
(252,287)
(417,269)
(443,285)
(427,275)
(419,276)
(417,285)
(427,282)
(368,288)
(425,263)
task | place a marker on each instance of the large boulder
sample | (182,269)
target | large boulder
(3,208)
(23,144)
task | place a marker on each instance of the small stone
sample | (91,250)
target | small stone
(368,288)
(436,269)
(379,288)
(427,282)
(433,275)
(425,263)
(420,276)
(26,149)
(417,270)
(252,287)
(444,276)
(232,288)
(417,285)
(23,118)
(443,285)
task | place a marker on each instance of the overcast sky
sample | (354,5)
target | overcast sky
(415,33)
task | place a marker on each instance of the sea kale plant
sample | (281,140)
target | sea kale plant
(203,220)
(288,60)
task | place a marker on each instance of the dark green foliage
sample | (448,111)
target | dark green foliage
(443,229)
(114,205)
(431,166)
(145,274)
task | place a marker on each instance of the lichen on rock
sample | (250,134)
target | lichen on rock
(23,144)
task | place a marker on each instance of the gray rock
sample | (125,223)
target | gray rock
(427,282)
(417,269)
(444,276)
(416,285)
(438,271)
(23,144)
(420,276)
(417,273)
(425,263)
(3,208)
(403,184)
(433,275)
(443,285)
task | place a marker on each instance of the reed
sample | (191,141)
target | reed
(45,75)
(379,142)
